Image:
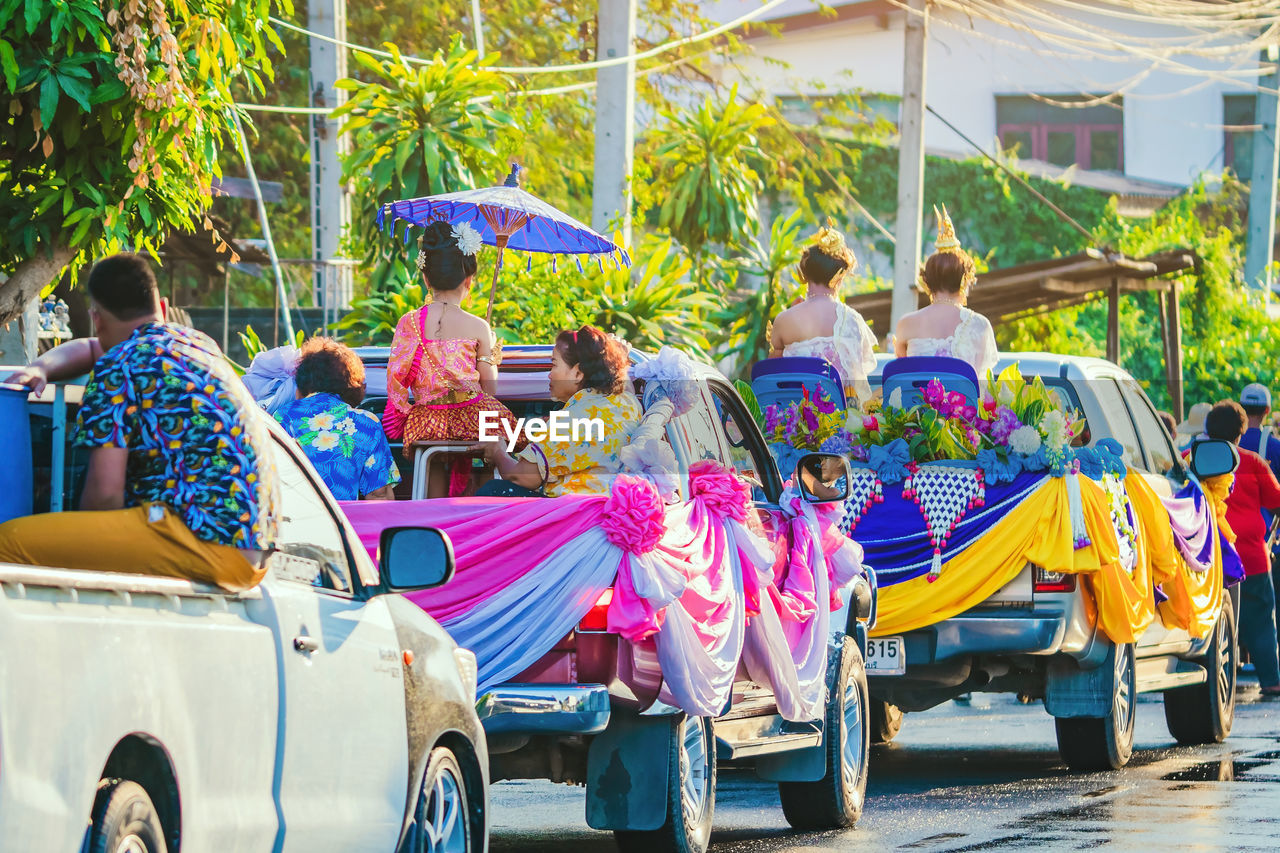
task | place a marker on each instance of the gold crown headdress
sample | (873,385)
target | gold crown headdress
(831,242)
(946,241)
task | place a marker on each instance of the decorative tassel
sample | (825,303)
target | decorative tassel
(599,263)
(935,566)
(382,218)
(554,259)
(577,260)
(528,266)
(1075,501)
(406,233)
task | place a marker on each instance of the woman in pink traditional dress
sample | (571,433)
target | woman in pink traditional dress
(444,356)
(947,327)
(823,326)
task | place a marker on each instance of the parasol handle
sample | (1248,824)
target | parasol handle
(501,242)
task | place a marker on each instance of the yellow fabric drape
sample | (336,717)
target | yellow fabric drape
(1194,597)
(1038,531)
(1124,602)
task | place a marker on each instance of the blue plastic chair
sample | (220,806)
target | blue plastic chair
(780,381)
(912,373)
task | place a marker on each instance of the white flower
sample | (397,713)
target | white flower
(1025,440)
(319,422)
(373,460)
(1054,428)
(854,422)
(326,441)
(895,399)
(348,426)
(1005,397)
(467,238)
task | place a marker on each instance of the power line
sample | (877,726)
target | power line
(519,70)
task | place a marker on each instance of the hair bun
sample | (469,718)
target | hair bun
(437,234)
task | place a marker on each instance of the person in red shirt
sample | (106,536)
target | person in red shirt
(1256,489)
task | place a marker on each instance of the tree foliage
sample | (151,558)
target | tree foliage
(115,116)
(420,130)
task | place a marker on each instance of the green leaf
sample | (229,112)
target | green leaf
(49,100)
(10,65)
(78,91)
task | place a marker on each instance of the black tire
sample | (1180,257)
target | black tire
(691,793)
(122,813)
(1087,744)
(835,801)
(886,721)
(1204,713)
(442,818)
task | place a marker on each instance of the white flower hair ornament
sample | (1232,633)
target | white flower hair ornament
(467,238)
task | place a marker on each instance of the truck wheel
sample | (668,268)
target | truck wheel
(835,801)
(125,820)
(1103,743)
(1203,713)
(442,822)
(691,794)
(886,721)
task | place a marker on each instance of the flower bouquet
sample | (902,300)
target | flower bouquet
(1018,425)
(814,424)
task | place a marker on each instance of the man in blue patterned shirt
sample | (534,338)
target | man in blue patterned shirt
(180,481)
(346,445)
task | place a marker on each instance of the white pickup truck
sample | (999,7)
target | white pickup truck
(315,712)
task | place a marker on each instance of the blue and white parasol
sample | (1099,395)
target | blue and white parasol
(506,217)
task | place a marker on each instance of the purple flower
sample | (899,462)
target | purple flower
(810,419)
(823,405)
(934,393)
(1004,425)
(771,418)
(858,453)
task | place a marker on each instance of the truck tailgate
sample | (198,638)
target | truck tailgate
(87,659)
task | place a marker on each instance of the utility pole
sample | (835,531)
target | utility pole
(906,254)
(330,206)
(615,116)
(1262,184)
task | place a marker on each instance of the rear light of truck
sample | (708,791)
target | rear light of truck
(597,619)
(1043,581)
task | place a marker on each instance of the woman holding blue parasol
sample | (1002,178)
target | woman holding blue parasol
(444,356)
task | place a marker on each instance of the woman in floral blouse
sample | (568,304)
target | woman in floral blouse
(589,375)
(345,444)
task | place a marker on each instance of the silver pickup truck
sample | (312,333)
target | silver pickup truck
(315,712)
(1034,637)
(588,713)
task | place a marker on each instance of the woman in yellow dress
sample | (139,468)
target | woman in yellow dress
(589,375)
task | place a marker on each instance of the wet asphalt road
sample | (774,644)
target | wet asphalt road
(984,777)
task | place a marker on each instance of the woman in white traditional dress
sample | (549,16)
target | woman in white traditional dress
(822,326)
(947,327)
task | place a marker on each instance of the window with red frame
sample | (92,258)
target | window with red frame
(1091,137)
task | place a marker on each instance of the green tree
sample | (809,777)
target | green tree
(421,130)
(766,287)
(705,187)
(115,117)
(654,305)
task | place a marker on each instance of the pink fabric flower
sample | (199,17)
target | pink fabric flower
(870,424)
(634,518)
(722,492)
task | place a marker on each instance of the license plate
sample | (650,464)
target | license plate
(886,656)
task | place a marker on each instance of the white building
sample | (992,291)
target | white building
(1167,119)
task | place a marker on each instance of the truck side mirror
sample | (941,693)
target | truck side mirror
(414,558)
(823,477)
(1213,457)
